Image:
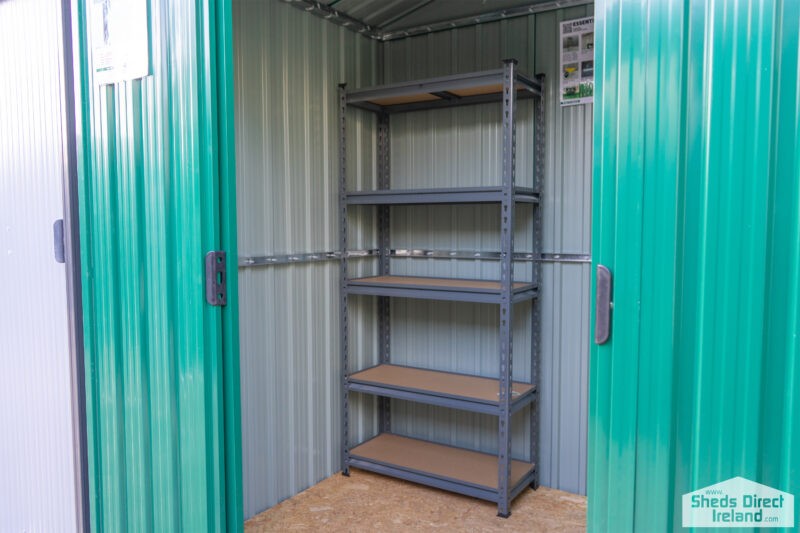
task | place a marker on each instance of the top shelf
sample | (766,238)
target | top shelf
(447,91)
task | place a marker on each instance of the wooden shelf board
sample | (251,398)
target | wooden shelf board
(407,99)
(436,382)
(459,464)
(493,88)
(484,89)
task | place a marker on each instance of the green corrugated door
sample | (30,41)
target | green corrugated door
(156,193)
(697,214)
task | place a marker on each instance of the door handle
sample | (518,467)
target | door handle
(58,241)
(602,305)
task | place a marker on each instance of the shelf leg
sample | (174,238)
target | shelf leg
(539,152)
(384,245)
(343,276)
(535,481)
(507,208)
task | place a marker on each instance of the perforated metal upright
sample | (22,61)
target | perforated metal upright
(538,173)
(500,396)
(384,251)
(343,314)
(507,210)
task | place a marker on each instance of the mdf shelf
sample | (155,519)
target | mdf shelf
(457,195)
(434,387)
(449,289)
(446,91)
(446,467)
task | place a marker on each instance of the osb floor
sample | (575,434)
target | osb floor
(373,503)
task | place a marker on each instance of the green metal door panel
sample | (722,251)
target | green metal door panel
(697,214)
(155,179)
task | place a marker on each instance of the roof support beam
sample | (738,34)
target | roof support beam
(341,18)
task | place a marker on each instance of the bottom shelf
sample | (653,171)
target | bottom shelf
(445,467)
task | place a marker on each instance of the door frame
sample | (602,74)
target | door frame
(72,257)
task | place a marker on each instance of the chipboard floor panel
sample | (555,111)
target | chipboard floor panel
(367,502)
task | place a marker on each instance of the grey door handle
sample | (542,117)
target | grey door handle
(602,305)
(58,240)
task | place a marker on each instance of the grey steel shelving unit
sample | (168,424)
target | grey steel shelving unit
(494,477)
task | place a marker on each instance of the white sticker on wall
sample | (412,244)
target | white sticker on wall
(577,61)
(120,43)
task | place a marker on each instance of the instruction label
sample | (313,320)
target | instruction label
(577,61)
(120,40)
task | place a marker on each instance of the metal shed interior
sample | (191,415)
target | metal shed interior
(288,63)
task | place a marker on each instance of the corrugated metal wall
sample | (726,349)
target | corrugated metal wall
(442,335)
(37,474)
(698,176)
(151,158)
(288,64)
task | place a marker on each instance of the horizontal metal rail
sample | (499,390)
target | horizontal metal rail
(438,399)
(425,478)
(565,258)
(443,90)
(434,195)
(313,257)
(441,482)
(423,291)
(309,257)
(426,86)
(444,103)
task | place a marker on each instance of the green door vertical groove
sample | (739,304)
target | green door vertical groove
(156,193)
(697,214)
(222,60)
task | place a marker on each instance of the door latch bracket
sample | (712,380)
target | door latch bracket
(216,282)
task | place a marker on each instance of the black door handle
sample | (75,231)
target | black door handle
(602,305)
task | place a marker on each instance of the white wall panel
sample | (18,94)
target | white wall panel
(37,482)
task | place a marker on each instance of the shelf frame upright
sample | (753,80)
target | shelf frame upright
(384,258)
(507,195)
(538,173)
(343,276)
(507,208)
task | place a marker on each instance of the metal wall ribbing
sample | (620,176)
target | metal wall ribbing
(37,472)
(153,166)
(698,168)
(471,157)
(288,65)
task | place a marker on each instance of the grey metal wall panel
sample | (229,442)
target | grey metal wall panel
(37,477)
(565,307)
(462,146)
(288,65)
